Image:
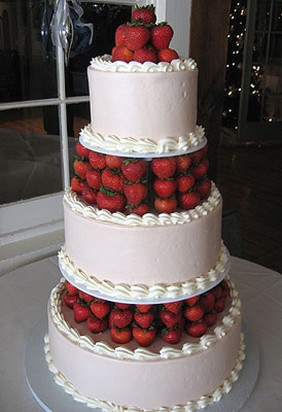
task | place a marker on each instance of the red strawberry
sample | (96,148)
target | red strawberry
(136,36)
(77,185)
(114,202)
(85,296)
(143,308)
(100,309)
(172,336)
(72,290)
(183,163)
(89,195)
(144,337)
(165,205)
(210,318)
(225,290)
(120,318)
(144,14)
(219,305)
(134,169)
(135,193)
(196,156)
(113,162)
(121,53)
(197,329)
(96,325)
(81,312)
(192,301)
(81,150)
(164,167)
(93,178)
(81,167)
(169,318)
(144,320)
(113,180)
(121,335)
(139,210)
(174,307)
(97,160)
(167,55)
(204,189)
(200,170)
(207,301)
(188,200)
(194,313)
(120,35)
(165,187)
(70,300)
(161,36)
(121,305)
(217,291)
(145,54)
(185,183)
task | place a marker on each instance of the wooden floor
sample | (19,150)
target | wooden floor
(250,181)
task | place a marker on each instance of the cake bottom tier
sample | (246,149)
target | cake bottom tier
(119,378)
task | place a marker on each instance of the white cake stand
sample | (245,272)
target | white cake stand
(52,398)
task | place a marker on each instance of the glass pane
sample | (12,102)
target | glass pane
(30,159)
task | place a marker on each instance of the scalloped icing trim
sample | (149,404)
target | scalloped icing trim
(77,204)
(190,406)
(190,142)
(104,63)
(174,290)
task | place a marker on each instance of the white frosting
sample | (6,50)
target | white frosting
(138,291)
(77,204)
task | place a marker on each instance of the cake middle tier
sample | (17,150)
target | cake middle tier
(154,249)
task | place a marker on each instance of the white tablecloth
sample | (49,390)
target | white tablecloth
(23,298)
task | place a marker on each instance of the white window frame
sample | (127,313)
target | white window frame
(32,229)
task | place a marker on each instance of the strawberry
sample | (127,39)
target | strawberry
(139,210)
(200,170)
(121,335)
(120,318)
(144,320)
(207,301)
(167,55)
(188,200)
(85,296)
(94,179)
(121,305)
(164,167)
(120,35)
(89,195)
(192,301)
(219,305)
(145,54)
(204,189)
(183,163)
(72,290)
(135,193)
(196,156)
(217,291)
(134,169)
(113,162)
(185,183)
(161,36)
(114,202)
(81,150)
(121,53)
(97,160)
(197,329)
(143,308)
(165,205)
(113,180)
(172,336)
(136,36)
(77,184)
(81,167)
(81,312)
(96,325)
(165,188)
(194,313)
(225,290)
(100,309)
(144,14)
(169,318)
(210,318)
(144,337)
(174,307)
(70,300)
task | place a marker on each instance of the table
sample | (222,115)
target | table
(23,299)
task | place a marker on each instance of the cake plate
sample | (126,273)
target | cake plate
(52,398)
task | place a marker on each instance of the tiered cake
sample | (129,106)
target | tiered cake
(146,317)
